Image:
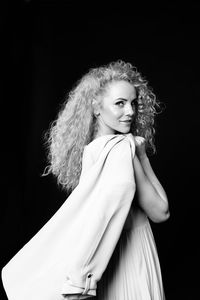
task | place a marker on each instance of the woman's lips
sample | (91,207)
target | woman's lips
(127,121)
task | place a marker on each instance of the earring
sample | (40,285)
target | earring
(96,114)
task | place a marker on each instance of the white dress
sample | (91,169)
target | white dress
(99,243)
(133,272)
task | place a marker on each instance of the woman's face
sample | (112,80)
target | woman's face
(117,108)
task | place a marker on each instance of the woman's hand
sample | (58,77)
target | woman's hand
(140,144)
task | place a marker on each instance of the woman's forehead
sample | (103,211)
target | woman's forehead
(120,89)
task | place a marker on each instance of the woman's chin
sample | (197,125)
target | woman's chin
(124,131)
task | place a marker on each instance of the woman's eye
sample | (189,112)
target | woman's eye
(120,103)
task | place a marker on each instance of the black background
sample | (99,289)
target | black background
(46,46)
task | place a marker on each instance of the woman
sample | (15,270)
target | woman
(101,234)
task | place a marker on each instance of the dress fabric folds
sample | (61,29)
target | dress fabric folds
(133,272)
(99,244)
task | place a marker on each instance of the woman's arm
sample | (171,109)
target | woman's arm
(151,195)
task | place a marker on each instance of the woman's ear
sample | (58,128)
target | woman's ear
(95,105)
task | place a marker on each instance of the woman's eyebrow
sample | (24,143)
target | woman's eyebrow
(124,99)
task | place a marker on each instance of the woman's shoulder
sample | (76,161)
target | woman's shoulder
(101,141)
(109,151)
(108,141)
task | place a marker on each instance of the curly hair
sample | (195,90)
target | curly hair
(76,124)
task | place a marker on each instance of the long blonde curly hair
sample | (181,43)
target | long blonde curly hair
(76,124)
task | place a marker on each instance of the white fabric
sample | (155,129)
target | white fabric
(68,256)
(133,272)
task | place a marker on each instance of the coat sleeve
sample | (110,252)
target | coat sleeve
(70,253)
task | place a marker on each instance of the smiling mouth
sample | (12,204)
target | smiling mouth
(127,121)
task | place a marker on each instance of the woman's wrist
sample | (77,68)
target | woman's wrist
(142,156)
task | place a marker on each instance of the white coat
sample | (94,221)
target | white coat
(68,256)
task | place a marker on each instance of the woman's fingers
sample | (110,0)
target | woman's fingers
(139,140)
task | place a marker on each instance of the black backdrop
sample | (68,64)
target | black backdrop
(45,47)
